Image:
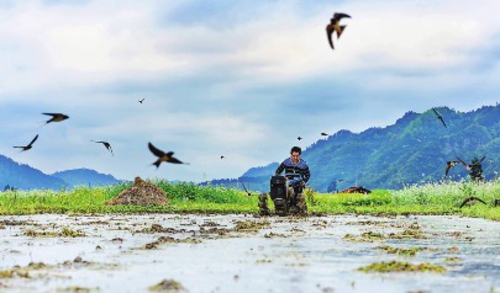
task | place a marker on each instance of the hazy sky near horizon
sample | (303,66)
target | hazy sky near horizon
(240,79)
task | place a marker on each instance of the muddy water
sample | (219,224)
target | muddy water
(130,253)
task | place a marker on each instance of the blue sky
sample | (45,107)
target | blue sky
(241,79)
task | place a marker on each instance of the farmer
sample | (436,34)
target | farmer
(297,174)
(296,169)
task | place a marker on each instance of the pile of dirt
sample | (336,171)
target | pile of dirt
(142,193)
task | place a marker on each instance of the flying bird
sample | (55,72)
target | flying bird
(56,117)
(471,200)
(106,144)
(474,162)
(29,146)
(334,26)
(324,134)
(140,101)
(462,161)
(478,162)
(246,190)
(449,165)
(439,117)
(163,157)
(299,138)
(222,157)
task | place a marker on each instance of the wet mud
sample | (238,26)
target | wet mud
(241,253)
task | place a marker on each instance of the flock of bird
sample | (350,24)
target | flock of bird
(300,137)
(56,117)
(333,27)
(453,163)
(59,117)
(450,164)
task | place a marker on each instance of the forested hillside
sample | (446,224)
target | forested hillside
(414,149)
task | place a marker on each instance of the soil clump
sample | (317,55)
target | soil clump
(142,193)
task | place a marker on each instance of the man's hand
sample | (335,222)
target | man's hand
(296,181)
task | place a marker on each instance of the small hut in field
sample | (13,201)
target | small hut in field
(356,189)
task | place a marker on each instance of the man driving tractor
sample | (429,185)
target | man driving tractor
(287,191)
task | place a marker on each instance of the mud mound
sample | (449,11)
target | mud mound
(142,193)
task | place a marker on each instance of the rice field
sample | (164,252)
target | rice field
(209,239)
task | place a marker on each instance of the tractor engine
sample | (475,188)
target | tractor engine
(280,194)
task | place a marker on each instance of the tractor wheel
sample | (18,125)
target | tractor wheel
(263,208)
(281,207)
(301,204)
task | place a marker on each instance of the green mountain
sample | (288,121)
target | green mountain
(85,177)
(413,150)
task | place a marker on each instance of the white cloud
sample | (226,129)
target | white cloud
(245,90)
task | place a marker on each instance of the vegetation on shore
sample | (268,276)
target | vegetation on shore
(431,199)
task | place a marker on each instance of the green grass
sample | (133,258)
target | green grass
(183,198)
(430,199)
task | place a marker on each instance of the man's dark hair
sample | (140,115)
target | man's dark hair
(296,149)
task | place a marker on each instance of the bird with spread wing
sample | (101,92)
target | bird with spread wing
(474,162)
(163,157)
(29,146)
(475,168)
(56,117)
(246,190)
(106,144)
(449,165)
(334,26)
(471,200)
(439,117)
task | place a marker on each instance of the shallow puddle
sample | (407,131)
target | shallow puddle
(240,253)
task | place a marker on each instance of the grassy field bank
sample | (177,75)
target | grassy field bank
(431,199)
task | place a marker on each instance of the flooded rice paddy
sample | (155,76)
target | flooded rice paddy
(241,253)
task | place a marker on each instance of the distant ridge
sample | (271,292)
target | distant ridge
(85,177)
(24,177)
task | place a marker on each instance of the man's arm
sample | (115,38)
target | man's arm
(280,169)
(306,174)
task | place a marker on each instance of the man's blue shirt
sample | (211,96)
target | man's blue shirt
(299,171)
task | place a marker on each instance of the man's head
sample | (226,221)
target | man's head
(295,153)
